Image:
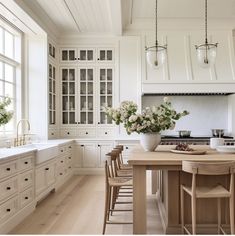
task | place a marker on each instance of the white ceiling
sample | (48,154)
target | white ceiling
(113,16)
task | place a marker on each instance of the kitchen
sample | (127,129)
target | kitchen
(71,58)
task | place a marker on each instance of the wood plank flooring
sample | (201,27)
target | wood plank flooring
(78,207)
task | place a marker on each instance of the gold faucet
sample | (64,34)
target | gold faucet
(19,141)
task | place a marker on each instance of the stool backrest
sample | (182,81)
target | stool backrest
(209,168)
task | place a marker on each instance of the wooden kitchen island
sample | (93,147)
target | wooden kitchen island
(168,179)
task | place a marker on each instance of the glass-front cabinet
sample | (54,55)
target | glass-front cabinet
(105,55)
(86,55)
(86,79)
(105,90)
(68,55)
(69,104)
(52,94)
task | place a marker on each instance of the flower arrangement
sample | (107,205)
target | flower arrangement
(5,116)
(151,120)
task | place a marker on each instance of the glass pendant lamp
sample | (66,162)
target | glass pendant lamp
(206,53)
(156,55)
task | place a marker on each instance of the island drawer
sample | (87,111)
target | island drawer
(8,169)
(8,188)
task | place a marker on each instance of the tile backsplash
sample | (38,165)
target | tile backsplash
(206,113)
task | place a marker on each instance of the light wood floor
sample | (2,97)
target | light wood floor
(77,208)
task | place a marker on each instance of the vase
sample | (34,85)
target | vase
(150,141)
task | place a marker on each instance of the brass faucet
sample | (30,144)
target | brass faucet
(19,141)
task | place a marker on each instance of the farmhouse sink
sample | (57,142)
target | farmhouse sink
(45,151)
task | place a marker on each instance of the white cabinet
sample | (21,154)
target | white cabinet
(85,89)
(16,190)
(91,155)
(44,178)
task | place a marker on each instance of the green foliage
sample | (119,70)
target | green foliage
(5,115)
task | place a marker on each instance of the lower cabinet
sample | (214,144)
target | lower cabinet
(45,178)
(90,155)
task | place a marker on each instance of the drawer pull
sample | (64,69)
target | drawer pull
(105,133)
(86,132)
(68,133)
(25,162)
(82,145)
(69,167)
(26,198)
(70,158)
(61,161)
(61,173)
(26,179)
(52,133)
(8,188)
(70,147)
(62,150)
(8,209)
(127,148)
(8,169)
(98,145)
(46,168)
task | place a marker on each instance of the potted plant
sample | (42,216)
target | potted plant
(149,123)
(5,115)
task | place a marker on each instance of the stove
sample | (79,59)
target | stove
(175,140)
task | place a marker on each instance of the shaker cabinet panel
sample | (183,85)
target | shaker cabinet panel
(89,157)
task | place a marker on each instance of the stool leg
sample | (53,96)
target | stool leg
(219,214)
(193,199)
(106,208)
(182,208)
(231,210)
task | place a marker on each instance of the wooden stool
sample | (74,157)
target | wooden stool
(208,168)
(121,165)
(111,184)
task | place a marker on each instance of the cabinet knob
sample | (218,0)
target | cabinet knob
(78,58)
(98,145)
(46,168)
(78,122)
(61,173)
(98,59)
(26,198)
(52,133)
(105,133)
(86,132)
(69,157)
(26,179)
(8,209)
(126,147)
(68,132)
(70,167)
(70,147)
(61,150)
(8,188)
(98,123)
(8,169)
(61,161)
(82,145)
(25,162)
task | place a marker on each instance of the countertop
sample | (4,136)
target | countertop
(11,153)
(163,156)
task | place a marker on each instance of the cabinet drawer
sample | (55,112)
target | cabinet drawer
(105,133)
(26,163)
(26,180)
(69,159)
(86,133)
(8,169)
(8,188)
(66,133)
(26,197)
(61,162)
(8,209)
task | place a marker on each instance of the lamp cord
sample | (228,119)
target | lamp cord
(156,23)
(206,40)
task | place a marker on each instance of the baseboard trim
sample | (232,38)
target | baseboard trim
(88,171)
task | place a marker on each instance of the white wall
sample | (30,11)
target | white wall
(206,113)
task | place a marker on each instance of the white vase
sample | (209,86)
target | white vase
(150,141)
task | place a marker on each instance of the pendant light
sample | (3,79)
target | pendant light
(206,53)
(156,55)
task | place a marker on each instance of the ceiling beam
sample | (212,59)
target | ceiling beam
(116,16)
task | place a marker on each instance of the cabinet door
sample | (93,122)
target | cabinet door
(86,55)
(86,92)
(105,93)
(68,86)
(52,94)
(102,150)
(105,55)
(78,156)
(89,155)
(68,55)
(40,179)
(50,174)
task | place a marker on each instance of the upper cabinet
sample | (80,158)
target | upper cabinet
(86,55)
(181,67)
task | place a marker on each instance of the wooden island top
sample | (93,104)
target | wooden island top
(168,167)
(163,156)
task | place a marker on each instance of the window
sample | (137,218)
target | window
(10,72)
